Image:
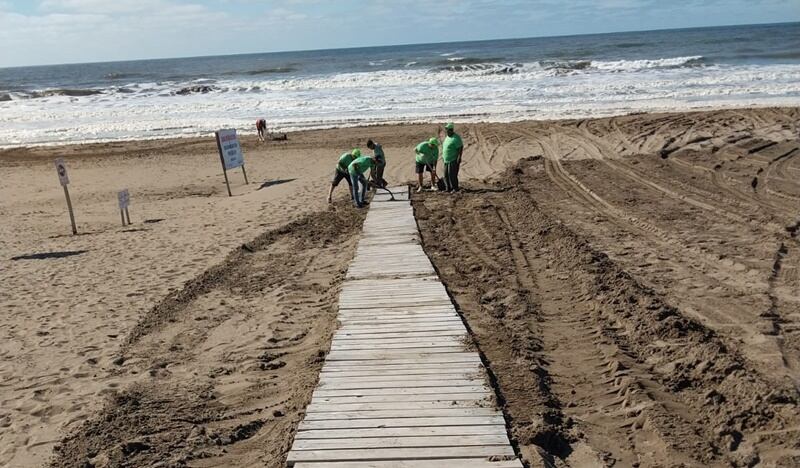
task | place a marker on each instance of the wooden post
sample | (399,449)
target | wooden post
(63,179)
(245,175)
(127,215)
(222,160)
(227,184)
(71,214)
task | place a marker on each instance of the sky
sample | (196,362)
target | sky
(37,32)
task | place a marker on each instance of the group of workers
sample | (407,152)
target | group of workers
(352,166)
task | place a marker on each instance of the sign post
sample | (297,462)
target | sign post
(124,199)
(63,178)
(230,154)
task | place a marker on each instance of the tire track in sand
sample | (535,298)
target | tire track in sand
(674,253)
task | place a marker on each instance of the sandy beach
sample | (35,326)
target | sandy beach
(632,283)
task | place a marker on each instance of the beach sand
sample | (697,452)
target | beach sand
(195,335)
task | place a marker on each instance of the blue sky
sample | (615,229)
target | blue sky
(36,32)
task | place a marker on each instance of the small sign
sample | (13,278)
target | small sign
(229,148)
(61,168)
(124,199)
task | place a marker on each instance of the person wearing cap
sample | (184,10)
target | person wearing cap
(341,171)
(376,175)
(357,168)
(452,149)
(427,156)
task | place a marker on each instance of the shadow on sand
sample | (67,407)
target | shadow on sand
(270,183)
(49,255)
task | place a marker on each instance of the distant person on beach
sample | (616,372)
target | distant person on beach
(427,156)
(342,172)
(261,127)
(376,175)
(357,169)
(452,149)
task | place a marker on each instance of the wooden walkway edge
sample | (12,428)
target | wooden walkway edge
(399,388)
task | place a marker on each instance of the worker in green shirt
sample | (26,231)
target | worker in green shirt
(427,156)
(341,171)
(376,175)
(357,168)
(452,149)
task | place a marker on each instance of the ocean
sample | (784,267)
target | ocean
(499,80)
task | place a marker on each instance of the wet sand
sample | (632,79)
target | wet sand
(171,341)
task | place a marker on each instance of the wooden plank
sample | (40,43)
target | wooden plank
(365,359)
(402,432)
(422,346)
(328,392)
(425,295)
(333,377)
(425,397)
(459,363)
(396,442)
(400,318)
(411,311)
(402,422)
(349,314)
(391,302)
(356,330)
(399,348)
(353,371)
(353,319)
(388,304)
(408,286)
(440,309)
(380,355)
(329,407)
(440,463)
(373,373)
(429,282)
(397,384)
(450,340)
(364,322)
(402,340)
(400,321)
(378,310)
(421,413)
(329,379)
(428,453)
(347,336)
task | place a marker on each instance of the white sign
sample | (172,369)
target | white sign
(229,148)
(124,199)
(61,168)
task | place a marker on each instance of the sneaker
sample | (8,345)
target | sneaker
(419,189)
(434,189)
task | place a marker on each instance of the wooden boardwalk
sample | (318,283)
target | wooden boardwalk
(399,388)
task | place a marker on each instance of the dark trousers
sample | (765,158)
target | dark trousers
(377,175)
(451,176)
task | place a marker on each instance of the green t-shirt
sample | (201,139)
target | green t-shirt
(344,161)
(361,165)
(450,148)
(426,154)
(378,153)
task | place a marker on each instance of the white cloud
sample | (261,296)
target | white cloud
(93,30)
